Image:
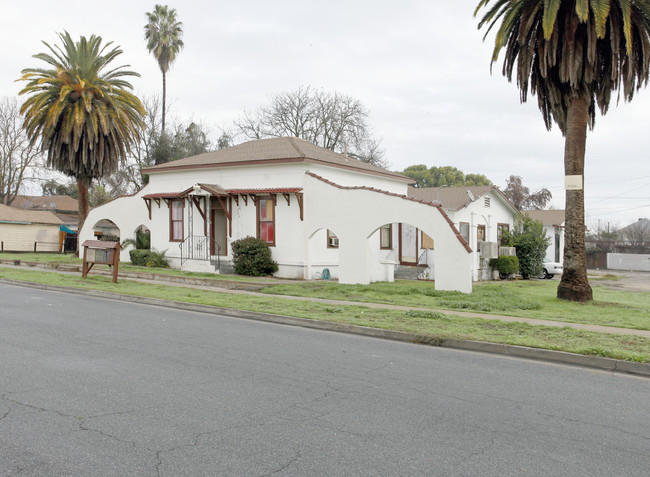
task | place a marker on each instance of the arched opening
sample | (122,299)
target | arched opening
(106,230)
(140,240)
(324,255)
(408,247)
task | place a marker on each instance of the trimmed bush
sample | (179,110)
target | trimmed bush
(139,257)
(252,256)
(149,258)
(506,265)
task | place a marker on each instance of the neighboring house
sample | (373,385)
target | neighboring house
(553,221)
(316,209)
(635,238)
(482,215)
(29,230)
(63,206)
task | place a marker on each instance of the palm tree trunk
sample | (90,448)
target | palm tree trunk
(574,285)
(164,101)
(83,184)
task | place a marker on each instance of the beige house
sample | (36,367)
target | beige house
(63,206)
(29,230)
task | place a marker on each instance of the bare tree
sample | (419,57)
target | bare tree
(637,235)
(330,120)
(128,178)
(605,236)
(522,198)
(18,158)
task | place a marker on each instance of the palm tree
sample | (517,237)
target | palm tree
(81,110)
(572,54)
(164,34)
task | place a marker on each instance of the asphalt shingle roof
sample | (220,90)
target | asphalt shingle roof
(454,198)
(14,214)
(281,149)
(547,217)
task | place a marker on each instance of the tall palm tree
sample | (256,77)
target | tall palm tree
(164,35)
(572,54)
(81,111)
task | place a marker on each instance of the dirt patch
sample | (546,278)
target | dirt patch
(621,280)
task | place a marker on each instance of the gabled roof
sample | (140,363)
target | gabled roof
(645,223)
(547,217)
(47,202)
(454,198)
(15,215)
(274,151)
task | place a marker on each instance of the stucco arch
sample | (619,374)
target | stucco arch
(357,212)
(127,213)
(105,227)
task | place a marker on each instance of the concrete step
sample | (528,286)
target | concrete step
(408,272)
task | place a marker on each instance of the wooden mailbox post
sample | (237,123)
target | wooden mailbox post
(104,253)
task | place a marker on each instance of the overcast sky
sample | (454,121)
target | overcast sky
(419,66)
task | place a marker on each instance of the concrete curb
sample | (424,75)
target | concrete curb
(642,369)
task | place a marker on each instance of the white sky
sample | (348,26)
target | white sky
(420,67)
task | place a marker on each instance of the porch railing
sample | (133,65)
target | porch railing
(195,247)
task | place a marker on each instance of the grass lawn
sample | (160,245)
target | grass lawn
(71,259)
(430,326)
(528,299)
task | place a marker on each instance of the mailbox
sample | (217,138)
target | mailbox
(104,253)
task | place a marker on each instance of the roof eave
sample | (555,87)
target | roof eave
(171,167)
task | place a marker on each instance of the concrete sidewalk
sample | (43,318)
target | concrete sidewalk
(248,288)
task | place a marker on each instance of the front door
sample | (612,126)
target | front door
(218,242)
(408,244)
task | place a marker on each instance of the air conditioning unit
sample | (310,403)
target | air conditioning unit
(488,249)
(507,251)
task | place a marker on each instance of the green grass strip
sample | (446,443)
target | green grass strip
(429,325)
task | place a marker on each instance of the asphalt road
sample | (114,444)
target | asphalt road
(93,387)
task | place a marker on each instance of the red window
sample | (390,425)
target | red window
(266,220)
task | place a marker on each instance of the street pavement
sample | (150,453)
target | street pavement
(96,387)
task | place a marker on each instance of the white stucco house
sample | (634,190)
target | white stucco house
(553,221)
(317,209)
(481,214)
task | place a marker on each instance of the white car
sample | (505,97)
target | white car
(550,269)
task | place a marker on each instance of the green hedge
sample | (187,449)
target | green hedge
(252,256)
(505,264)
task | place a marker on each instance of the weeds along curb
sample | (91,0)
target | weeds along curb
(563,357)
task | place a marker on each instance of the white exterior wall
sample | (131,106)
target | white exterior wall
(21,237)
(475,214)
(628,261)
(350,178)
(366,211)
(550,250)
(301,246)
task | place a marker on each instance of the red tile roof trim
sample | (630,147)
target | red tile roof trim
(286,190)
(163,195)
(401,196)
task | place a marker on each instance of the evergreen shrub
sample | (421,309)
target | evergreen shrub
(252,256)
